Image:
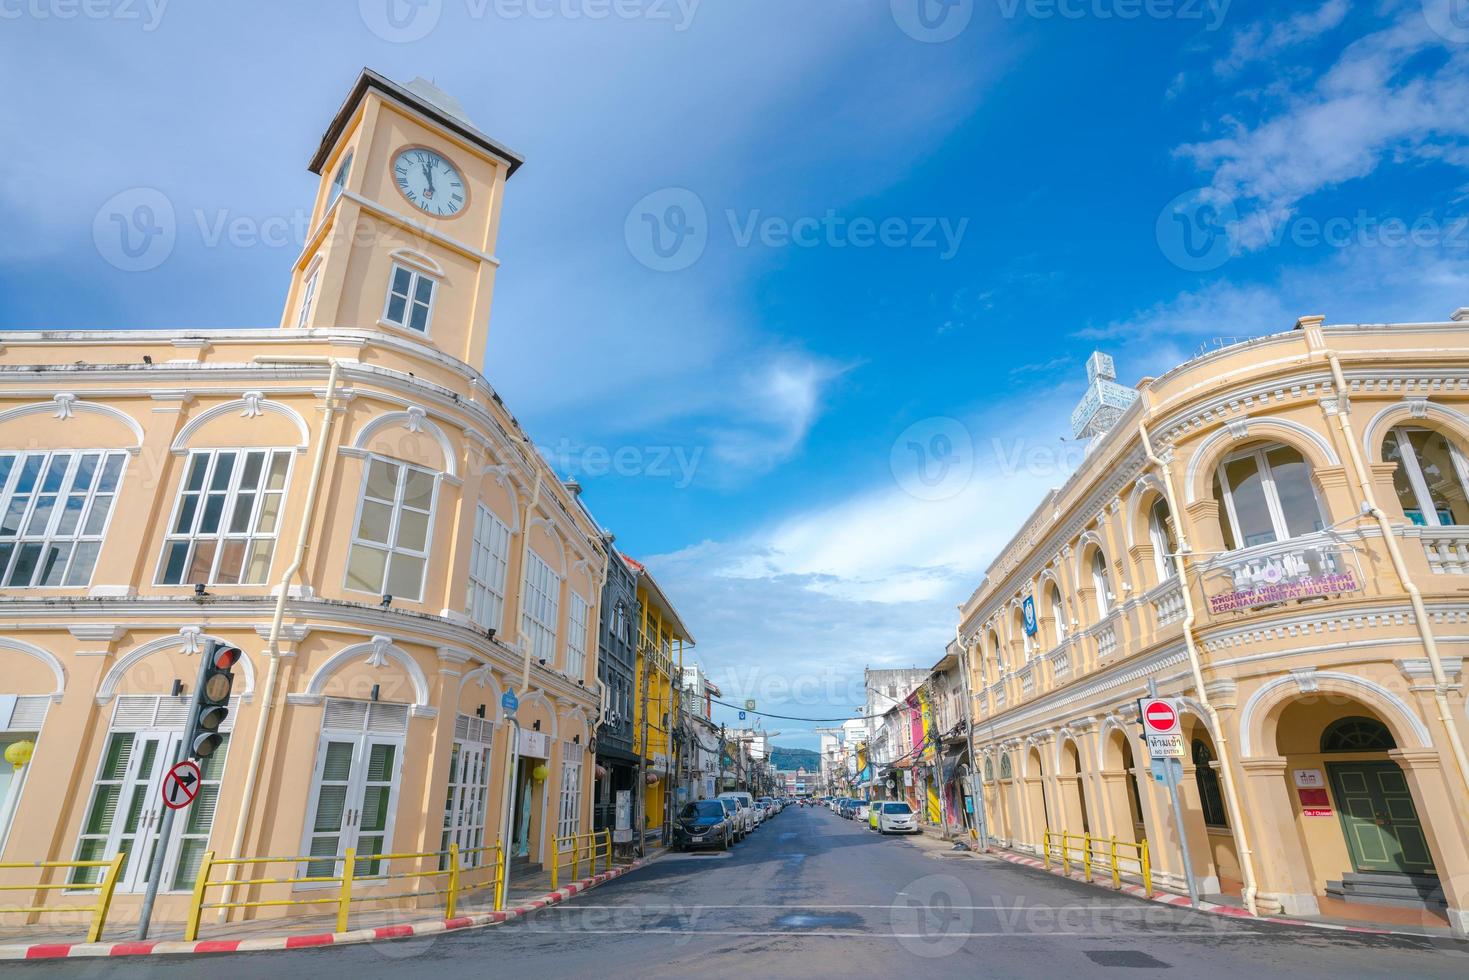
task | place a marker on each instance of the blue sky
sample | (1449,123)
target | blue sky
(823,440)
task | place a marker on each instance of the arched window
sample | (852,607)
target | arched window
(998,651)
(1357,734)
(1211,800)
(1431,480)
(1100,582)
(1006,771)
(1267,496)
(1165,542)
(1058,613)
(1027,642)
(989,769)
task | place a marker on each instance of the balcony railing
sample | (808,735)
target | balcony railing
(1280,571)
(1168,605)
(1060,661)
(1106,636)
(1447,549)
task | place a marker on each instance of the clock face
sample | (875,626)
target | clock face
(429,181)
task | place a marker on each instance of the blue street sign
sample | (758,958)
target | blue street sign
(1028,607)
(742,716)
(509,702)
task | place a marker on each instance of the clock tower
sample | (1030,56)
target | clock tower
(404,224)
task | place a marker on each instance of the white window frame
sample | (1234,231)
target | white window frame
(50,536)
(1058,613)
(143,788)
(414,276)
(308,293)
(1414,470)
(390,547)
(222,535)
(488,570)
(1272,495)
(467,799)
(540,607)
(339,181)
(348,833)
(1101,584)
(1158,533)
(578,615)
(568,821)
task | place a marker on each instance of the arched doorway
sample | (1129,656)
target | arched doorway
(1035,797)
(1124,802)
(1073,794)
(1359,821)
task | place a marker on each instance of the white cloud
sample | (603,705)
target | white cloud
(1366,110)
(1263,41)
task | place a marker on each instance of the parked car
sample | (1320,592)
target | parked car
(861,811)
(847,808)
(872,813)
(747,819)
(702,823)
(897,818)
(732,810)
(762,811)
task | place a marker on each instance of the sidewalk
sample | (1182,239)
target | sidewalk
(298,931)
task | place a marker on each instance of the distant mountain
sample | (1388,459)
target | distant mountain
(789,760)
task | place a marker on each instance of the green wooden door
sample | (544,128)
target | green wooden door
(1378,817)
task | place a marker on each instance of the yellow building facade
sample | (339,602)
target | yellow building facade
(659,664)
(346,499)
(1277,534)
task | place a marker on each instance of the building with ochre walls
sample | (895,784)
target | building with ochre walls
(345,498)
(1277,533)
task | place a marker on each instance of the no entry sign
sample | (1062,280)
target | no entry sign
(181,785)
(1160,725)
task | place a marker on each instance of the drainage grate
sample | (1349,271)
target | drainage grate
(1132,959)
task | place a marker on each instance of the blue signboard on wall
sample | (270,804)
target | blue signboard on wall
(1028,608)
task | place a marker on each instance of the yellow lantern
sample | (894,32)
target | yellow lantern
(20,753)
(539,773)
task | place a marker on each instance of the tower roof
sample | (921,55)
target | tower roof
(422,97)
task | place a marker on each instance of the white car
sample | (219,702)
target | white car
(745,820)
(861,813)
(897,818)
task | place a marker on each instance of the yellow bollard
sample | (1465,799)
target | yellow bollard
(1086,856)
(1046,848)
(344,898)
(104,898)
(1066,854)
(1147,866)
(555,862)
(1116,875)
(196,908)
(499,877)
(453,880)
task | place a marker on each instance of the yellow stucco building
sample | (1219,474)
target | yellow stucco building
(347,499)
(1276,532)
(661,638)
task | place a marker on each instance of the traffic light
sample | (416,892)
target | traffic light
(211,699)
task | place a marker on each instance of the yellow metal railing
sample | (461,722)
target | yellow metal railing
(449,866)
(1090,850)
(594,845)
(105,888)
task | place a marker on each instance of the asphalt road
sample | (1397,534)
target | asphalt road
(812,895)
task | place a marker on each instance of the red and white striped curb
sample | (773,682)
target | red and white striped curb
(1181,901)
(43,951)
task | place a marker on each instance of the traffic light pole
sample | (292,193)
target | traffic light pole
(165,827)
